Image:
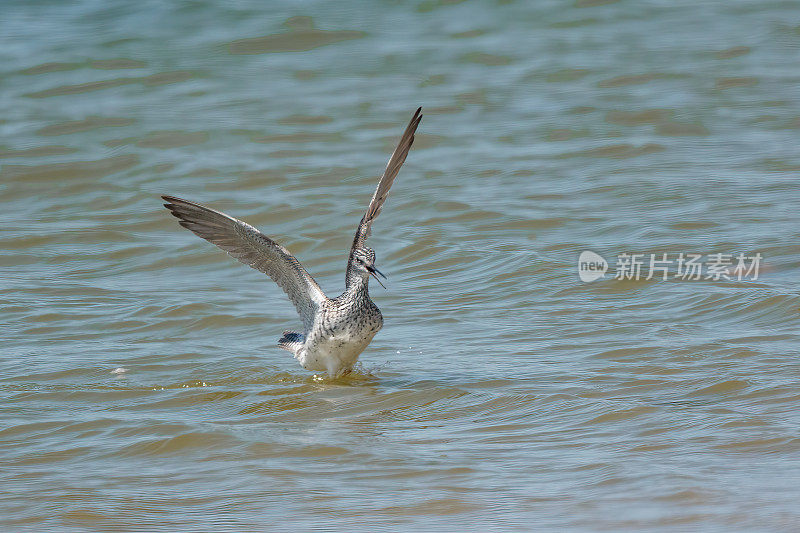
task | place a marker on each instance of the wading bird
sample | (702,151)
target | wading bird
(335,330)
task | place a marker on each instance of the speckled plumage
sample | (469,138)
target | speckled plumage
(335,330)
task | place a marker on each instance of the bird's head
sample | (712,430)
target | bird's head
(363,263)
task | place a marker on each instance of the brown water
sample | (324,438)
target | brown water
(140,384)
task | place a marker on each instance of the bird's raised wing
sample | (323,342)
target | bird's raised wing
(245,243)
(392,168)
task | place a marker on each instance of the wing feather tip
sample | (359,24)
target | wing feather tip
(171,199)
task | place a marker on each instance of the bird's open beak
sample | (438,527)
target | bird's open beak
(373,272)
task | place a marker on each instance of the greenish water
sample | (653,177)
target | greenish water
(140,385)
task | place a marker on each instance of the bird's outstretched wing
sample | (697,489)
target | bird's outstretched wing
(392,168)
(245,243)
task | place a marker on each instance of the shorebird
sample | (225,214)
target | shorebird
(335,330)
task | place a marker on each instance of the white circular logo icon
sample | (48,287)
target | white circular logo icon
(591,266)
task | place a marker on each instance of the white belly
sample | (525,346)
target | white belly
(334,354)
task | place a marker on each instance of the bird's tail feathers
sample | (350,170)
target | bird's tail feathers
(291,341)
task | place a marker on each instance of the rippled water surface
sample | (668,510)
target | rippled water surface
(140,384)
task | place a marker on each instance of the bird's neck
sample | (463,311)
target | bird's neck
(357,282)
